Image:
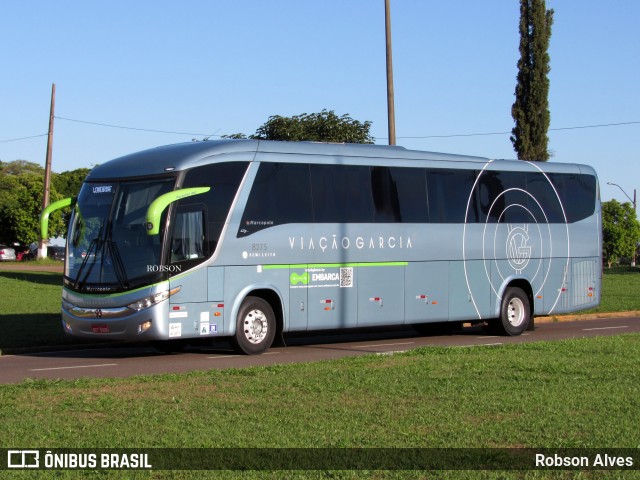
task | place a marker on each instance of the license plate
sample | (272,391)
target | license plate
(100,328)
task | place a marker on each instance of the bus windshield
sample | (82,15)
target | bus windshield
(108,249)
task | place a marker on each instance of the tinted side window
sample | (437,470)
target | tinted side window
(448,193)
(514,199)
(487,203)
(281,193)
(502,197)
(578,194)
(399,195)
(341,194)
(224,180)
(545,201)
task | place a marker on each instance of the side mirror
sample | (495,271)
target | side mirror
(163,201)
(44,216)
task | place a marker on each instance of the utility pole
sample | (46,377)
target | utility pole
(390,97)
(42,248)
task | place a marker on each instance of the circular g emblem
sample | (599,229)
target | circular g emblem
(518,249)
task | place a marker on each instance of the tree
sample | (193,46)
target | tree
(530,110)
(620,231)
(21,187)
(68,183)
(325,126)
(20,207)
(18,167)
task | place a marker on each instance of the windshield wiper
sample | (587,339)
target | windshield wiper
(118,265)
(93,245)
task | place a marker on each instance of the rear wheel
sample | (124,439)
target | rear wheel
(515,312)
(255,326)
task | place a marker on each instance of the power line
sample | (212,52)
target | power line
(509,132)
(479,134)
(135,128)
(24,138)
(405,137)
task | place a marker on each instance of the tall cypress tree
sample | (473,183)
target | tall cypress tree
(530,110)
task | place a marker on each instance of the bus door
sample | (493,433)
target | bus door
(196,310)
(298,299)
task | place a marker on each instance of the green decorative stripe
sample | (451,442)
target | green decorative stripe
(336,265)
(116,294)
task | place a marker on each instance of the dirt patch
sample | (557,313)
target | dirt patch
(30,267)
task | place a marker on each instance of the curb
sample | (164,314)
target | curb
(586,316)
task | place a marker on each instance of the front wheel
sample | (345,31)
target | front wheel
(515,312)
(255,326)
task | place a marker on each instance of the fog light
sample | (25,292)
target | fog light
(67,327)
(144,326)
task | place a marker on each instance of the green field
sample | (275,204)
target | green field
(30,310)
(620,290)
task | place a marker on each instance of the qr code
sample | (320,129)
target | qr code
(346,277)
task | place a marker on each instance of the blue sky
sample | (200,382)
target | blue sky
(224,66)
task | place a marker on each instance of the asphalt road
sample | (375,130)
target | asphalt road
(128,360)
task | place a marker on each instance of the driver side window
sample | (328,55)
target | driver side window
(188,239)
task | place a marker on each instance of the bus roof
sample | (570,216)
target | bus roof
(177,157)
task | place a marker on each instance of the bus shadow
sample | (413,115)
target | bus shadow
(41,278)
(79,348)
(33,332)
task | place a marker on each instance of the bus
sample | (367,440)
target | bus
(251,239)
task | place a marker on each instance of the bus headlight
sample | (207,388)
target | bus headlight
(152,300)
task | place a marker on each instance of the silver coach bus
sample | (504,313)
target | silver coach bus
(249,239)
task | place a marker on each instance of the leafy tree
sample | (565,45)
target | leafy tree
(325,126)
(20,207)
(531,108)
(68,183)
(18,167)
(620,231)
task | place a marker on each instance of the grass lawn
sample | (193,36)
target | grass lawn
(30,309)
(620,290)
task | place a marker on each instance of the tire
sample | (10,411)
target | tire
(515,313)
(255,326)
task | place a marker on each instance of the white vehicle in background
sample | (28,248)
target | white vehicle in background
(7,253)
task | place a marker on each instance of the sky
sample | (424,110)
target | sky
(196,69)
